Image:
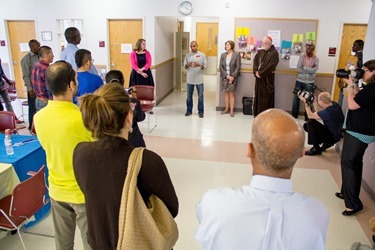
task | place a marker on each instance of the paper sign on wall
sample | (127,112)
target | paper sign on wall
(242,31)
(24,47)
(276,36)
(126,48)
(293,61)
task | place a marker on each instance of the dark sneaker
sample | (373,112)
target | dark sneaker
(313,151)
(187,114)
(19,121)
(200,115)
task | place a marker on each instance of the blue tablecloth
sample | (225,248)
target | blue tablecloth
(27,157)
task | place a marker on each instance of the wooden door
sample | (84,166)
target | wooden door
(350,33)
(19,32)
(123,32)
(207,37)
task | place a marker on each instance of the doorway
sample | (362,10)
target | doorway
(350,33)
(20,33)
(206,37)
(122,33)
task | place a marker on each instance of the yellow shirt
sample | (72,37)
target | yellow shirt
(60,128)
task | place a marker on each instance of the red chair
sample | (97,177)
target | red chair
(146,96)
(26,199)
(8,120)
(32,130)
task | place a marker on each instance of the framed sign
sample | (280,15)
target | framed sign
(46,36)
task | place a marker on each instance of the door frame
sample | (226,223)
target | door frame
(10,55)
(109,42)
(334,83)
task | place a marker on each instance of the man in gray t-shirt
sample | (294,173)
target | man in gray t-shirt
(195,62)
(27,65)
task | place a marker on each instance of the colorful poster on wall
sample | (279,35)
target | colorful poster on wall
(242,33)
(310,37)
(286,49)
(297,43)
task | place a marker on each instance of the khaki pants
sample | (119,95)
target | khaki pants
(65,218)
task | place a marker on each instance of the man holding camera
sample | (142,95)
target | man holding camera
(307,65)
(323,136)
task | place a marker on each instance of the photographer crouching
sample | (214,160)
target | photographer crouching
(322,136)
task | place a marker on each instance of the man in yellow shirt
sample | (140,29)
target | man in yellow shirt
(60,128)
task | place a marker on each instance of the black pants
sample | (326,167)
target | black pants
(351,170)
(32,109)
(318,133)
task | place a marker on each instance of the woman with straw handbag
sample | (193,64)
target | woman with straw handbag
(123,186)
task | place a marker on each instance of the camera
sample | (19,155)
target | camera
(309,97)
(355,73)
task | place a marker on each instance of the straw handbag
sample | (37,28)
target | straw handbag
(140,226)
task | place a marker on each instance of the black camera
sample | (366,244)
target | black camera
(356,73)
(309,97)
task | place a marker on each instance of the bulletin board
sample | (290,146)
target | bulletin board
(257,28)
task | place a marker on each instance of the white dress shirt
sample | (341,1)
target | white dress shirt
(68,55)
(266,215)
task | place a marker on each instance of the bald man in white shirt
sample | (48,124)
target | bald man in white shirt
(267,214)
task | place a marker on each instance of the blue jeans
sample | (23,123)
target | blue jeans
(189,99)
(39,104)
(309,87)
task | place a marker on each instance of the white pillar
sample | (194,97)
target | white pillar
(369,48)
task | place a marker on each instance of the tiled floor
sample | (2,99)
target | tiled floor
(211,152)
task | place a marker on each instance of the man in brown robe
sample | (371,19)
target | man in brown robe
(264,67)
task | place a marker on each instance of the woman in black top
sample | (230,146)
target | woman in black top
(100,166)
(360,131)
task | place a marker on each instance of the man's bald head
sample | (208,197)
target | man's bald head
(278,140)
(325,97)
(58,77)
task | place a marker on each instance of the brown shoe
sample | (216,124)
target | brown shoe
(224,112)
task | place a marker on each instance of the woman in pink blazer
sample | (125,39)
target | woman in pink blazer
(140,60)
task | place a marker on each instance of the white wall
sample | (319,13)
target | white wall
(165,27)
(331,15)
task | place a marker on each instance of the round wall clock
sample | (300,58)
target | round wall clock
(185,8)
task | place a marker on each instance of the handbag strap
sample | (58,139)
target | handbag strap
(130,186)
(134,163)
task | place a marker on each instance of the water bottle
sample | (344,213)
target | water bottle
(8,143)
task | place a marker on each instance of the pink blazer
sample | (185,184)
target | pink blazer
(134,63)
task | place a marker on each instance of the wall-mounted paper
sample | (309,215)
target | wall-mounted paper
(243,31)
(126,48)
(24,47)
(275,35)
(293,62)
(310,36)
(297,38)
